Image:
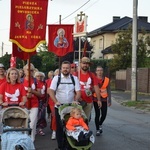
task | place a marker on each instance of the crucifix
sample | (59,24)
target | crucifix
(81,15)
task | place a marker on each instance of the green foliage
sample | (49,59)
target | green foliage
(44,60)
(5,60)
(122,48)
(48,59)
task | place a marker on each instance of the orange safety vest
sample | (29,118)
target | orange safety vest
(103,89)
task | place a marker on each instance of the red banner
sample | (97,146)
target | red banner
(12,61)
(28,23)
(60,39)
(17,52)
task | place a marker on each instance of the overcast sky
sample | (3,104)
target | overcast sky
(99,12)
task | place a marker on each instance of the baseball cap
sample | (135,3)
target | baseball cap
(73,65)
(2,66)
(85,60)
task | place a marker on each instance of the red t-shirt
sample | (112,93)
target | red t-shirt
(12,93)
(87,81)
(42,86)
(33,99)
(50,101)
(2,80)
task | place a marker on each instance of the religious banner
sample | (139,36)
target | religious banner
(28,23)
(80,25)
(17,52)
(60,39)
(12,61)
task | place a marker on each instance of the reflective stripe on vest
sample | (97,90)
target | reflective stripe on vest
(103,89)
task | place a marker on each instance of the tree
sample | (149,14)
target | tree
(84,44)
(5,59)
(122,50)
(48,59)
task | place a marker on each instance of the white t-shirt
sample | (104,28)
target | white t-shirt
(65,92)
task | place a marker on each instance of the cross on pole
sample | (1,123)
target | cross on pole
(81,15)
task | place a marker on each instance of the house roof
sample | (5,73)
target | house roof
(121,24)
(107,50)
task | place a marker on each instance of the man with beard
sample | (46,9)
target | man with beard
(88,84)
(64,93)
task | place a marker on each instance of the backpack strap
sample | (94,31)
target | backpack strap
(59,80)
(72,78)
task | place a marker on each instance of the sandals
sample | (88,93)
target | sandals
(41,132)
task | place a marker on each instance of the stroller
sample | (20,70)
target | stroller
(72,144)
(15,131)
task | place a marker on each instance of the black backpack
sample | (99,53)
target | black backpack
(59,80)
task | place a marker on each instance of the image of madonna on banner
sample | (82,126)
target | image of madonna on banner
(60,39)
(27,31)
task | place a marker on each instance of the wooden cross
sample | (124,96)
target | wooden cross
(81,15)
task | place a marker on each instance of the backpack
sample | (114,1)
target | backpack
(59,80)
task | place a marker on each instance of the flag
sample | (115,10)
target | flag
(17,52)
(85,49)
(60,39)
(12,61)
(28,23)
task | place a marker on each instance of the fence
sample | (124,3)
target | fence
(123,80)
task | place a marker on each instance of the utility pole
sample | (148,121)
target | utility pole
(2,48)
(134,53)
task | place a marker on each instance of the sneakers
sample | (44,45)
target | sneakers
(53,135)
(98,133)
(41,132)
(100,129)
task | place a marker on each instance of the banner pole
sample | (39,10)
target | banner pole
(29,79)
(59,56)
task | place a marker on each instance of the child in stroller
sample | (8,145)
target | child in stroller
(76,131)
(76,126)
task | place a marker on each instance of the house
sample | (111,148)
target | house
(103,37)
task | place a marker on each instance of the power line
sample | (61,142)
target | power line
(74,11)
(86,9)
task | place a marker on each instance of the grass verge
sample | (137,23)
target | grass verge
(143,105)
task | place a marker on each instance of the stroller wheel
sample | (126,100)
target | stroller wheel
(18,147)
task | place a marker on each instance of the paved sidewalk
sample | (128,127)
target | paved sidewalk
(121,96)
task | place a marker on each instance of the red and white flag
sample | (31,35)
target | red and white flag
(60,39)
(12,61)
(17,52)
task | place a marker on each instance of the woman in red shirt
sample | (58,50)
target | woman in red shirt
(12,91)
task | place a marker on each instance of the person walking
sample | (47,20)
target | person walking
(105,92)
(68,91)
(32,95)
(12,91)
(41,84)
(88,83)
(73,68)
(50,77)
(2,76)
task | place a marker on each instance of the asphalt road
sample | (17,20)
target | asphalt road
(124,128)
